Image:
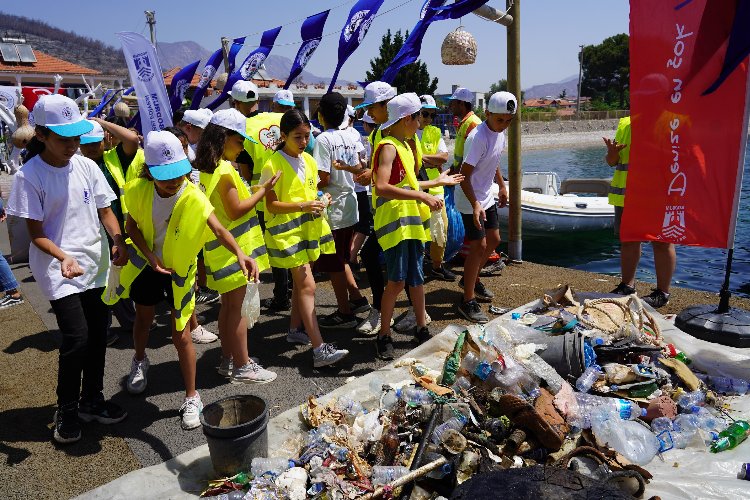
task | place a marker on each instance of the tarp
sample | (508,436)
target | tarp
(698,474)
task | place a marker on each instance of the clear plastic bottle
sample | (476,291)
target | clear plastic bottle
(262,465)
(589,403)
(661,424)
(415,396)
(634,441)
(326,203)
(690,399)
(232,495)
(340,453)
(587,379)
(727,385)
(455,423)
(349,406)
(707,421)
(441,471)
(536,365)
(476,366)
(387,474)
(461,383)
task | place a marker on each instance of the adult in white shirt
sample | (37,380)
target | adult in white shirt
(476,202)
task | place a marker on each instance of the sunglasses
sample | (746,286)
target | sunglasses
(427,114)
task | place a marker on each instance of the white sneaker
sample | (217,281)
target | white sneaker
(408,322)
(371,325)
(327,354)
(225,367)
(252,373)
(202,336)
(190,412)
(297,337)
(137,378)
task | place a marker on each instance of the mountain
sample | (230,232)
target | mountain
(570,85)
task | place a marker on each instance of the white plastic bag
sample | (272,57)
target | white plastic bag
(438,231)
(251,304)
(113,281)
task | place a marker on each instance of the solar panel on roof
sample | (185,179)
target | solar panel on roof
(27,55)
(9,53)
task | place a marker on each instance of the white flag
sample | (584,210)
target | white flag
(146,76)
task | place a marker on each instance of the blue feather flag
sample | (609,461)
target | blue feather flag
(354,31)
(106,98)
(209,71)
(237,44)
(312,32)
(180,84)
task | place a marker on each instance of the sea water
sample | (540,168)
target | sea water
(697,268)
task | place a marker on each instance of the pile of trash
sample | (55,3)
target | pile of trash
(586,387)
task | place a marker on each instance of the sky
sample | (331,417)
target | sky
(551,31)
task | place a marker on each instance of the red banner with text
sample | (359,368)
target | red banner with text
(688,93)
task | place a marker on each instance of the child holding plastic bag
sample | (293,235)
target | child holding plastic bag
(220,143)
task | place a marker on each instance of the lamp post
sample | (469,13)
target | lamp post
(580,79)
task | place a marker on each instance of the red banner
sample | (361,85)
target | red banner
(32,94)
(687,150)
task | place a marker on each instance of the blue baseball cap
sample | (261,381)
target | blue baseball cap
(96,134)
(232,119)
(284,97)
(165,158)
(60,114)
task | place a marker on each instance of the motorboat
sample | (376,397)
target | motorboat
(575,205)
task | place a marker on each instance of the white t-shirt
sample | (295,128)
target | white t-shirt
(161,212)
(65,200)
(365,155)
(297,163)
(482,150)
(334,144)
(442,148)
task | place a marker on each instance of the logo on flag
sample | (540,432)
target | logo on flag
(354,23)
(208,73)
(143,67)
(673,227)
(306,52)
(182,87)
(7,99)
(251,65)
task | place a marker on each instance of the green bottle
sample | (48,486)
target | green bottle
(731,436)
(683,357)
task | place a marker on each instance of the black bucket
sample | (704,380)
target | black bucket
(235,429)
(565,354)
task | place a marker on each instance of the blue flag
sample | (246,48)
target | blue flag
(457,10)
(249,67)
(209,70)
(312,32)
(106,98)
(181,83)
(354,31)
(126,92)
(237,44)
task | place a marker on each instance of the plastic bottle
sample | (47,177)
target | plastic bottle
(326,204)
(276,466)
(727,385)
(476,366)
(690,399)
(706,420)
(461,383)
(340,453)
(455,423)
(661,424)
(731,436)
(232,495)
(589,403)
(536,365)
(387,474)
(415,396)
(634,441)
(349,407)
(441,471)
(587,379)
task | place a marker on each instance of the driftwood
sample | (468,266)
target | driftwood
(411,476)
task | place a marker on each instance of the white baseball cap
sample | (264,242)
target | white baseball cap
(348,115)
(377,92)
(350,111)
(401,106)
(284,97)
(96,134)
(244,91)
(165,157)
(428,102)
(233,120)
(462,94)
(198,117)
(502,102)
(368,119)
(60,114)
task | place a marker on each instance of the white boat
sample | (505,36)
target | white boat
(550,207)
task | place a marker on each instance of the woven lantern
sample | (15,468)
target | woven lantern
(221,80)
(459,48)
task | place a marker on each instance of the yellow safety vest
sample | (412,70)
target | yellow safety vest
(264,128)
(374,139)
(619,179)
(112,162)
(463,131)
(295,238)
(223,272)
(398,220)
(430,141)
(186,233)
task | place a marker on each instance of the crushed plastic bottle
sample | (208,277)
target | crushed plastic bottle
(588,378)
(730,437)
(690,399)
(634,441)
(476,366)
(536,365)
(387,474)
(349,407)
(661,424)
(455,423)
(728,385)
(415,396)
(275,466)
(326,204)
(589,403)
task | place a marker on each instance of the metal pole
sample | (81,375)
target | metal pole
(580,79)
(225,51)
(515,175)
(151,20)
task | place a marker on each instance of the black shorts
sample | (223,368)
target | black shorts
(471,231)
(618,221)
(151,288)
(334,262)
(364,207)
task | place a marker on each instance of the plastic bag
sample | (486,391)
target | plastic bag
(251,304)
(438,230)
(113,281)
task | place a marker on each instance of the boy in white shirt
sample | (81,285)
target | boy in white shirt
(475,201)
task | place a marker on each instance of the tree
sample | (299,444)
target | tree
(413,77)
(500,86)
(606,71)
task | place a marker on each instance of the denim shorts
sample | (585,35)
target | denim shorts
(404,262)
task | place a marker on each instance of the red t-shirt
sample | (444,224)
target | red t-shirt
(397,169)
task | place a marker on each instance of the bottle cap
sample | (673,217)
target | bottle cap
(695,409)
(643,412)
(598,341)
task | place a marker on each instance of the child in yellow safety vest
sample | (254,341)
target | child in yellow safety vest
(296,234)
(169,221)
(402,215)
(221,142)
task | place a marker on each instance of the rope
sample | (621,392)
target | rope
(629,316)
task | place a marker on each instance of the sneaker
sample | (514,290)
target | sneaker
(271,304)
(422,334)
(327,354)
(252,373)
(112,337)
(359,306)
(371,325)
(104,412)
(67,428)
(623,289)
(10,301)
(384,347)
(480,291)
(225,367)
(657,299)
(493,269)
(202,336)
(137,379)
(471,311)
(190,412)
(337,321)
(408,321)
(297,337)
(441,273)
(206,296)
